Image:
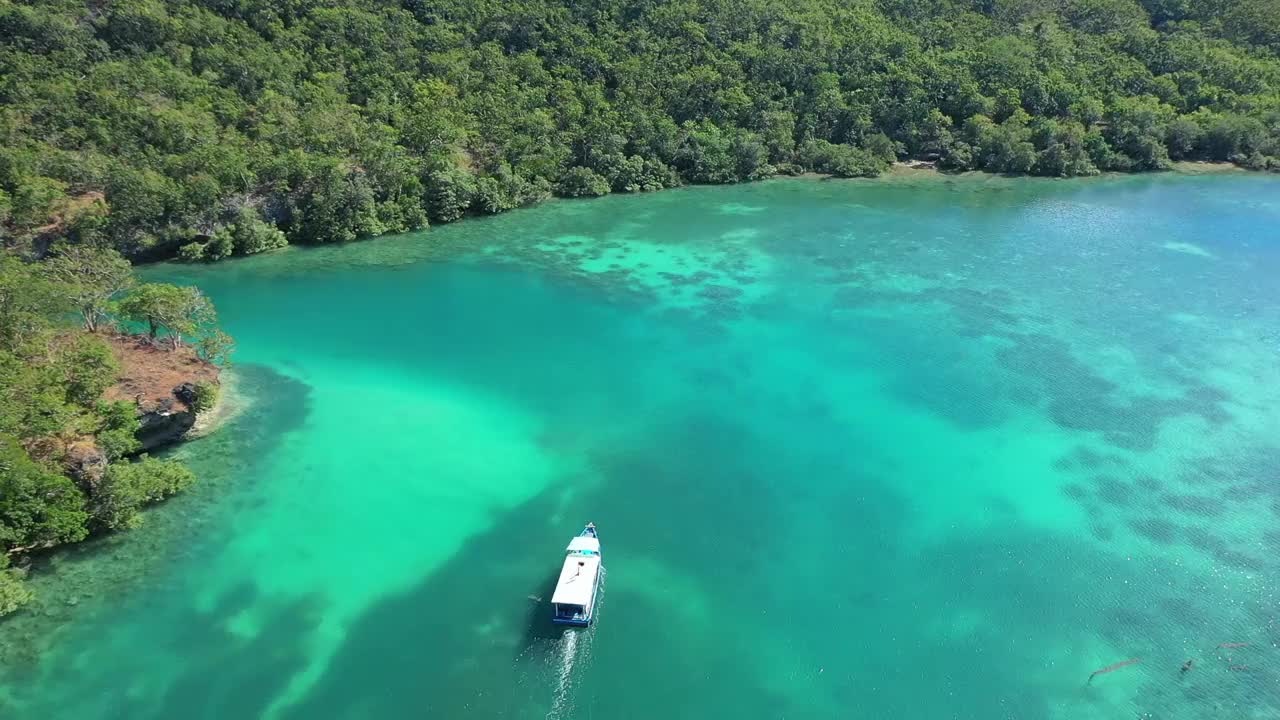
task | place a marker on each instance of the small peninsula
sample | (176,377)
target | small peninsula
(82,403)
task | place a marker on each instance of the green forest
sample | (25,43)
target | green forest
(204,129)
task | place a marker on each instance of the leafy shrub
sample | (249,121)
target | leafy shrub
(751,157)
(637,174)
(127,486)
(191,252)
(958,157)
(525,191)
(117,431)
(206,397)
(250,235)
(489,198)
(583,182)
(1253,161)
(1063,152)
(880,146)
(1005,147)
(849,161)
(220,246)
(842,160)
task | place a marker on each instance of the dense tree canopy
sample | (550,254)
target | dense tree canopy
(204,125)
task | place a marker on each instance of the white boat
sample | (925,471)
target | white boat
(575,598)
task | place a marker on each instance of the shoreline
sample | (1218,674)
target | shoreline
(899,172)
(918,168)
(229,405)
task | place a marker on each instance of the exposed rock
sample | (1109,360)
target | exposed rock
(186,392)
(164,423)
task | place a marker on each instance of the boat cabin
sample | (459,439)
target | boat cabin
(575,596)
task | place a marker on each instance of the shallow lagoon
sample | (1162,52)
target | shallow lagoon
(911,448)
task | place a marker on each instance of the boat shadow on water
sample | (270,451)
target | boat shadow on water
(539,631)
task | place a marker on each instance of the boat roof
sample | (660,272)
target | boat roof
(584,542)
(577,581)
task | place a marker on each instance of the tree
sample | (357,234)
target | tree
(29,303)
(336,205)
(583,182)
(639,174)
(1063,152)
(1182,136)
(880,146)
(88,368)
(89,277)
(140,200)
(855,162)
(174,311)
(249,235)
(431,120)
(449,193)
(487,197)
(1227,136)
(1255,21)
(1005,147)
(38,508)
(216,347)
(33,400)
(751,157)
(192,252)
(221,245)
(706,155)
(1137,127)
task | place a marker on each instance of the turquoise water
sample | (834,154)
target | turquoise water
(931,448)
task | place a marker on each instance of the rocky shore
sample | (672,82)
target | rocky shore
(163,383)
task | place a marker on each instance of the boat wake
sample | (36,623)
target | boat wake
(568,652)
(574,648)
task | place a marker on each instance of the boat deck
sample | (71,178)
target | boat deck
(575,596)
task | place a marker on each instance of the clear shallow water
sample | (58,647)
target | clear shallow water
(899,449)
